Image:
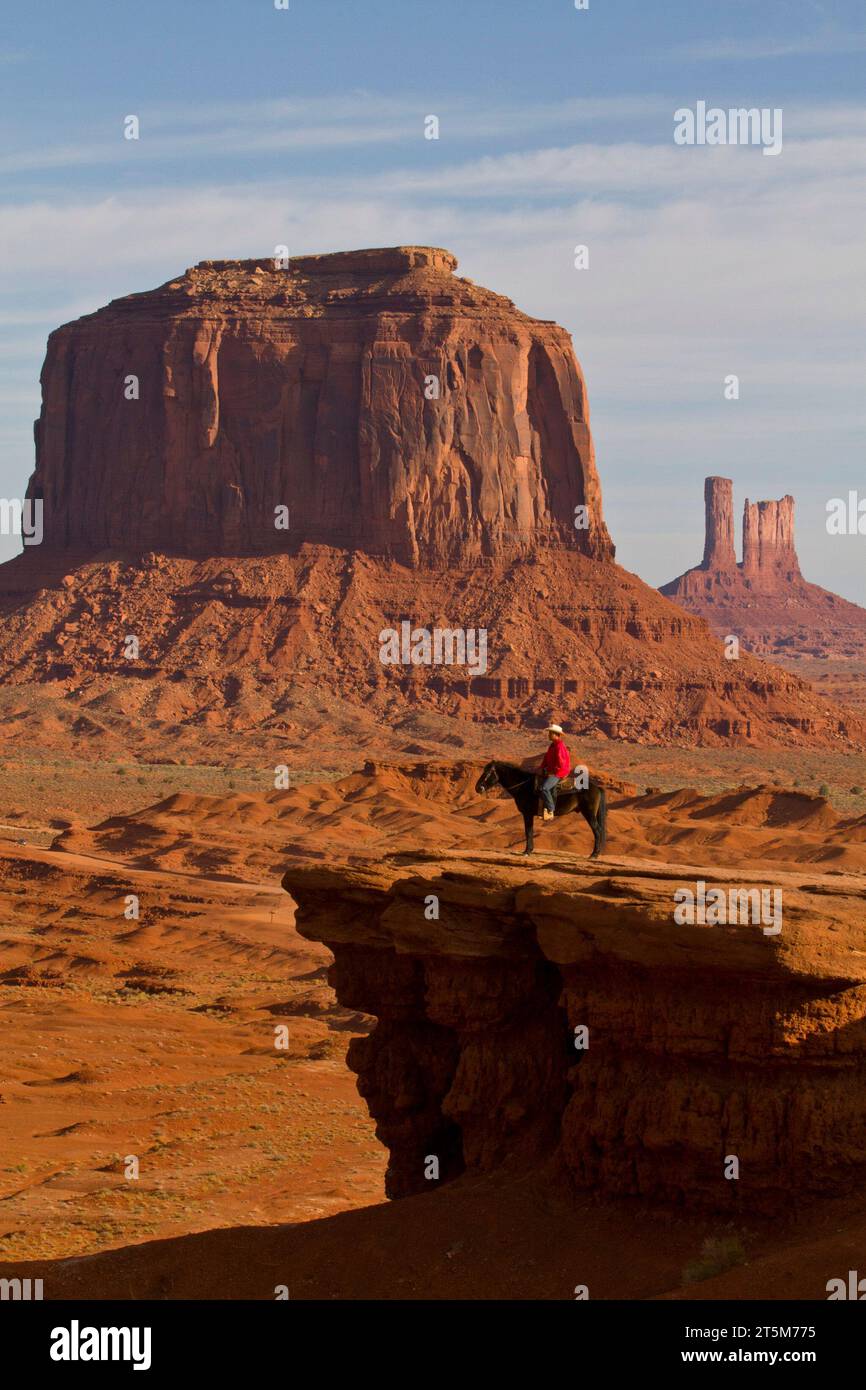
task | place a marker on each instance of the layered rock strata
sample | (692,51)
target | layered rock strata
(263,648)
(768,541)
(703,1044)
(388,404)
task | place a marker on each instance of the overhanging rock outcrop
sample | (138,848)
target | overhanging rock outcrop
(705,1043)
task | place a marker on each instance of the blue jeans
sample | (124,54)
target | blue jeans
(547,791)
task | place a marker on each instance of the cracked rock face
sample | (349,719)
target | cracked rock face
(702,1042)
(389,404)
(719,536)
(768,539)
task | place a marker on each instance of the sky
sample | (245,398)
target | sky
(305,126)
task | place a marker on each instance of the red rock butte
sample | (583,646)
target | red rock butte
(764,599)
(432,446)
(391,405)
(768,539)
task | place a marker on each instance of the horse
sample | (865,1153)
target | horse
(590,802)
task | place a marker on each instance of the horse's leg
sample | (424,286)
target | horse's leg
(596,838)
(586,809)
(601,818)
(530,835)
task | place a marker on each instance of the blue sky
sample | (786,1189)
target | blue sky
(261,127)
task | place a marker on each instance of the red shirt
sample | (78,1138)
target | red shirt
(557,759)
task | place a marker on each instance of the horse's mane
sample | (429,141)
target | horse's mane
(520,774)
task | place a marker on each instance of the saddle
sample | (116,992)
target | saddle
(565,784)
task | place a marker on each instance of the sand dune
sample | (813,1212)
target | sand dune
(393,806)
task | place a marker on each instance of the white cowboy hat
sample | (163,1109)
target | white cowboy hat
(554,729)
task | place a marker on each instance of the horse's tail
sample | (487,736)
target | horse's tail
(602,814)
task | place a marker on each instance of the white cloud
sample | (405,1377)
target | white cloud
(218,142)
(344,122)
(631,168)
(746,50)
(463,112)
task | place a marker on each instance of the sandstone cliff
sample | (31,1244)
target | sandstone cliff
(702,1043)
(389,404)
(768,541)
(764,600)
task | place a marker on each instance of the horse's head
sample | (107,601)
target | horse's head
(487,779)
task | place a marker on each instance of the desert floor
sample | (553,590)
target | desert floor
(157,1037)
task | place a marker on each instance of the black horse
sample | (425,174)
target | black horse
(591,801)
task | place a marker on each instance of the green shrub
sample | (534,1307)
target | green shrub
(718,1254)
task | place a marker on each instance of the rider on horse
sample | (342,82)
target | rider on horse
(555,765)
(588,799)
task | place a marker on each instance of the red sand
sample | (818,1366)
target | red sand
(181,1070)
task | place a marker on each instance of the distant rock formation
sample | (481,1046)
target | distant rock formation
(769,556)
(768,541)
(764,600)
(719,535)
(389,404)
